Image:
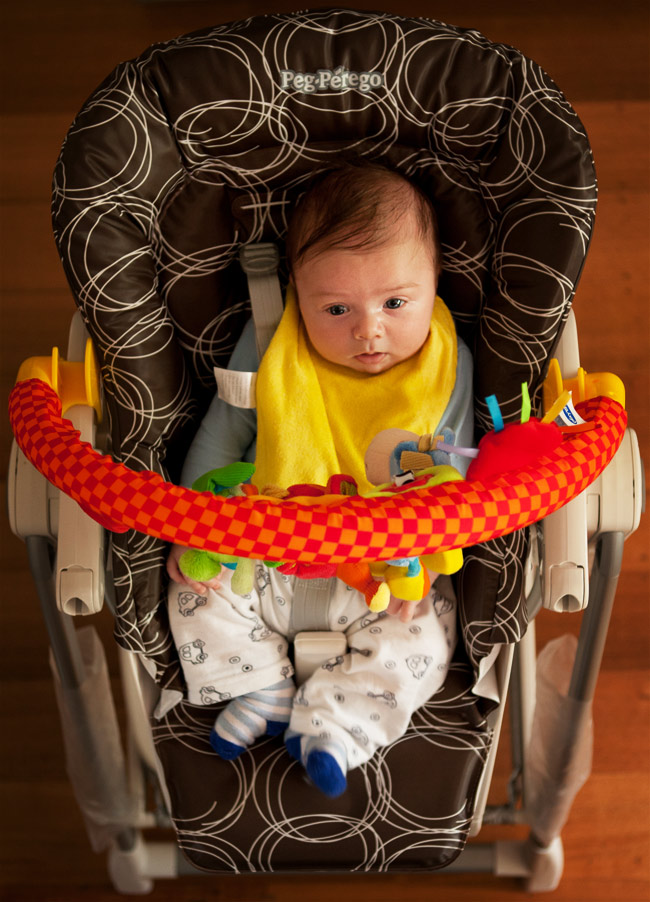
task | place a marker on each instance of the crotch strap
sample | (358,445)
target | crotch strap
(311,602)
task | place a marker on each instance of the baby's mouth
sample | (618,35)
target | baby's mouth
(370,356)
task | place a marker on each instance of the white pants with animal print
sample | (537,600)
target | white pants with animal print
(230,646)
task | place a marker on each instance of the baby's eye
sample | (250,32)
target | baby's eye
(394,303)
(337,309)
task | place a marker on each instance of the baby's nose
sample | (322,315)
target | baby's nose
(368,326)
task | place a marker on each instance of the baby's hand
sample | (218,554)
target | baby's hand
(178,576)
(404,609)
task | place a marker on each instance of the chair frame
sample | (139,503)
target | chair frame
(76,582)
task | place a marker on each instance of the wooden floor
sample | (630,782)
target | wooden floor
(54,55)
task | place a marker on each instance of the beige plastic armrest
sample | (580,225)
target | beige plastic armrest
(565,567)
(80,549)
(32,501)
(36,508)
(615,501)
(80,546)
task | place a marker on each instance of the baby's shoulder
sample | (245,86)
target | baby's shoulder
(244,357)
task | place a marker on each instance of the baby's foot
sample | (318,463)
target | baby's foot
(326,773)
(325,761)
(248,717)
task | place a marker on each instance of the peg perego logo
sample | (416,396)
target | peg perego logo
(339,79)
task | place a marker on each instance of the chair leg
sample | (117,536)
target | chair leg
(545,864)
(91,734)
(565,767)
(595,621)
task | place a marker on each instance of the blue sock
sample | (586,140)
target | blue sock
(250,716)
(325,773)
(292,742)
(224,749)
(325,761)
(275,727)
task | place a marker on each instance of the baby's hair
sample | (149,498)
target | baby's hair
(354,204)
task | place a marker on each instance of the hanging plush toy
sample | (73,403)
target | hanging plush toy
(404,578)
(396,461)
(204,565)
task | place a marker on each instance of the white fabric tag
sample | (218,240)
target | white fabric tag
(235,388)
(569,416)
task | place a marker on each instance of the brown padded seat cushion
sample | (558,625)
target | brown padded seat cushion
(202,144)
(409,808)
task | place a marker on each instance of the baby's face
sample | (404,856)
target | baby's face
(369,309)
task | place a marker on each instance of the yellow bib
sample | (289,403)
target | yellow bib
(316,418)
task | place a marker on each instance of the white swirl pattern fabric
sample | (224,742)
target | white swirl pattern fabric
(204,143)
(409,807)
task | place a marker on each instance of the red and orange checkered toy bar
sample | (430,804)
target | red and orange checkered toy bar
(332,530)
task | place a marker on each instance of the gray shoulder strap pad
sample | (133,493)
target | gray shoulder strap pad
(260,263)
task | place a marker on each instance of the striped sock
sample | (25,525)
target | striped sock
(248,717)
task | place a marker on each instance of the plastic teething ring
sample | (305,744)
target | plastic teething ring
(334,529)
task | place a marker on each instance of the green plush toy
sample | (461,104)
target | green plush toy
(204,565)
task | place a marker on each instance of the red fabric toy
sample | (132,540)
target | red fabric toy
(515,446)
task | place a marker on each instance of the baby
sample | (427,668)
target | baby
(364,344)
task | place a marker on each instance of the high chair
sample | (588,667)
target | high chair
(183,156)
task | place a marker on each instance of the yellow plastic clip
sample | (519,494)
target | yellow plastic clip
(74,382)
(583,387)
(557,407)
